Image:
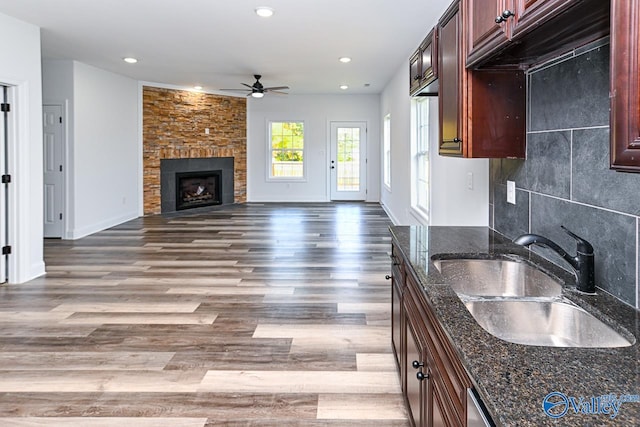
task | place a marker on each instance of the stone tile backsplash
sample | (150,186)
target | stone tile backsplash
(571,93)
(566,179)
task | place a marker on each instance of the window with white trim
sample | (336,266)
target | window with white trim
(420,157)
(386,148)
(286,150)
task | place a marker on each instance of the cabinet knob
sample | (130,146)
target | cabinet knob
(422,376)
(416,78)
(456,139)
(417,364)
(504,16)
(387,277)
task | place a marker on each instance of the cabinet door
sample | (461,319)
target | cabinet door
(415,389)
(484,34)
(450,99)
(414,72)
(531,13)
(625,85)
(442,413)
(396,316)
(429,58)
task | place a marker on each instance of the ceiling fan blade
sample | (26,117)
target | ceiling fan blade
(250,87)
(236,90)
(276,88)
(277,92)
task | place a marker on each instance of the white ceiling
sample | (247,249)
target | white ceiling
(221,43)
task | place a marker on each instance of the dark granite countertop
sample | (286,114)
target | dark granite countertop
(513,379)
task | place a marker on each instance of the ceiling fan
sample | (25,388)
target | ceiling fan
(258,91)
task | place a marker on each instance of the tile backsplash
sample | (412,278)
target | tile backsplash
(565,179)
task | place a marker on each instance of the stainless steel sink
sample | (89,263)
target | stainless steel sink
(544,323)
(497,278)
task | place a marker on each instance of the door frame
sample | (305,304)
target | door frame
(363,152)
(63,159)
(5,96)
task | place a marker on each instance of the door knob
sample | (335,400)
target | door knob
(504,16)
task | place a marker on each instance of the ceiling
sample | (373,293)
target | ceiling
(221,43)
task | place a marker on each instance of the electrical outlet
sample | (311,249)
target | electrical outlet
(511,192)
(470,180)
(206,131)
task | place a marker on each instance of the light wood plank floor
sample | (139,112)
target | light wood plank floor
(246,315)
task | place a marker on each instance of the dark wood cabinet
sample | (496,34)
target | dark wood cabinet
(415,361)
(397,284)
(423,66)
(450,92)
(625,85)
(433,380)
(519,33)
(482,112)
(483,32)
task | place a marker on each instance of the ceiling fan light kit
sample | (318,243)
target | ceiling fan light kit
(257,90)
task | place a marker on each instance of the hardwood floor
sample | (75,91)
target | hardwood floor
(246,315)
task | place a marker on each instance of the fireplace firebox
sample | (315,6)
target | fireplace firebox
(198,189)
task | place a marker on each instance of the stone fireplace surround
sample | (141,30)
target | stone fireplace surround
(175,125)
(169,168)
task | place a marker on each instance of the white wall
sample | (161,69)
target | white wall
(105,153)
(102,149)
(20,69)
(317,111)
(451,201)
(395,100)
(459,187)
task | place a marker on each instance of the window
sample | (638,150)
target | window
(386,148)
(420,157)
(286,142)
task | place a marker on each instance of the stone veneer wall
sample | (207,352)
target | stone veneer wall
(173,127)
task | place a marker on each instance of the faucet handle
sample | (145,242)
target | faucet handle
(583,246)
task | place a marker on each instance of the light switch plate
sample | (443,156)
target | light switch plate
(511,192)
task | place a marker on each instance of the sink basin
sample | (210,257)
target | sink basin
(497,278)
(544,323)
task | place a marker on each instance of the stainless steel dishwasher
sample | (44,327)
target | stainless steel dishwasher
(476,414)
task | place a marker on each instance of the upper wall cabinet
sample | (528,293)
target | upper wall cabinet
(423,67)
(518,33)
(625,85)
(482,112)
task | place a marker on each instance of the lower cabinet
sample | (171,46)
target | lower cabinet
(417,375)
(397,284)
(433,379)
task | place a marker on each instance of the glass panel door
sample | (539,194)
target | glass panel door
(348,161)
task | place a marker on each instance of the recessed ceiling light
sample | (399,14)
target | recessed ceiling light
(344,87)
(264,11)
(197,87)
(345,59)
(130,60)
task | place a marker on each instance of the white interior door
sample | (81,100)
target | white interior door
(53,170)
(4,137)
(348,161)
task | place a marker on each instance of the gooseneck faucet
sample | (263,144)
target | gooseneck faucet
(583,263)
